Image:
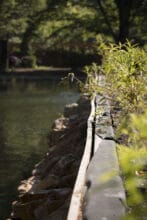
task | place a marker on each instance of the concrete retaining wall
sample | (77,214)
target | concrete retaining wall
(98,193)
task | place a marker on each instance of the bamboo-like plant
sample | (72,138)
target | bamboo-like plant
(125,68)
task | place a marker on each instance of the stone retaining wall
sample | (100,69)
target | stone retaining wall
(103,197)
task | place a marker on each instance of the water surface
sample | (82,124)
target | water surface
(27,111)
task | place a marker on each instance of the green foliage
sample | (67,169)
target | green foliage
(10,19)
(91,85)
(135,127)
(71,80)
(72,25)
(15,15)
(125,67)
(133,162)
(74,18)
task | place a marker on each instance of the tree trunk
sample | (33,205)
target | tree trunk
(3,54)
(25,44)
(33,24)
(106,19)
(124,9)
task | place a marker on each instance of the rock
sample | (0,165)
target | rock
(60,124)
(47,210)
(45,165)
(15,210)
(26,185)
(83,104)
(68,181)
(73,117)
(63,165)
(58,129)
(70,110)
(27,209)
(49,181)
(27,197)
(61,212)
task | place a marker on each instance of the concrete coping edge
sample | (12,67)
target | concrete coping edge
(75,204)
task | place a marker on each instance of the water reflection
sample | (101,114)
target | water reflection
(27,111)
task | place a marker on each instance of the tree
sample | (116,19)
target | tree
(124,10)
(125,19)
(82,20)
(3,55)
(127,11)
(62,22)
(49,11)
(13,16)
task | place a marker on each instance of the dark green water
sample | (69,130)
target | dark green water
(27,111)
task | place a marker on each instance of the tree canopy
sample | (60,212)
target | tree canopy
(71,24)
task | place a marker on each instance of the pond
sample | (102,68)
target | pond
(27,111)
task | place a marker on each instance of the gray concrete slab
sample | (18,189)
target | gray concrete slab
(105,196)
